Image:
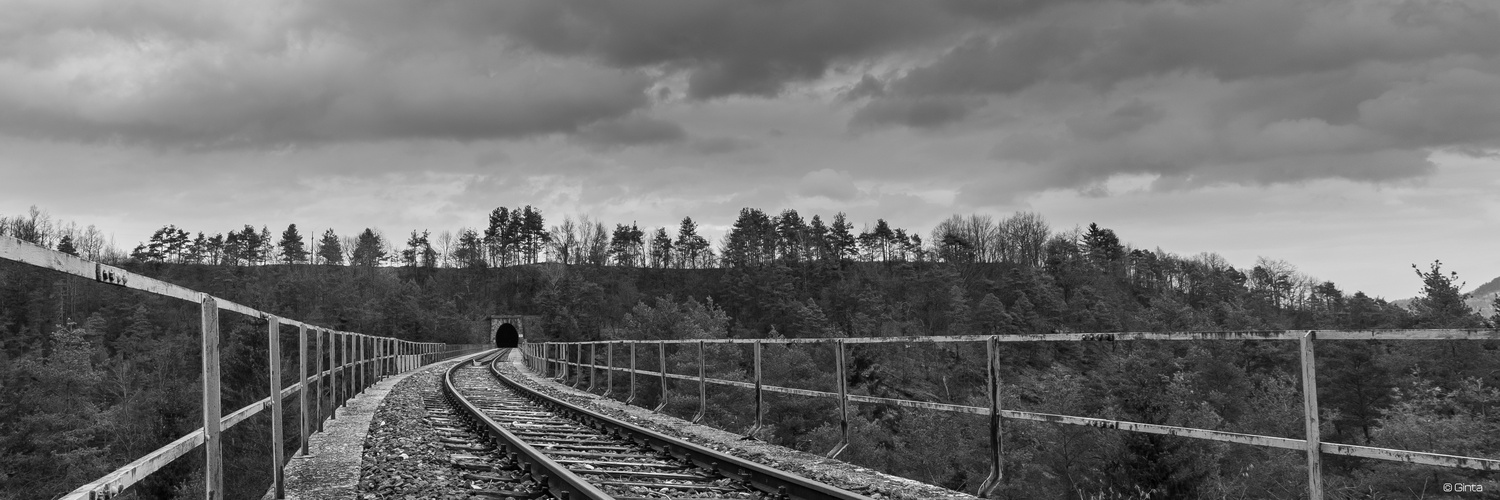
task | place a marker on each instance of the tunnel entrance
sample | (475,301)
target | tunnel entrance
(507,336)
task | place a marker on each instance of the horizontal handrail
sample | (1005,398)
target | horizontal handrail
(364,358)
(561,356)
(1393,334)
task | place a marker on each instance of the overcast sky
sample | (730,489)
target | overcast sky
(1350,138)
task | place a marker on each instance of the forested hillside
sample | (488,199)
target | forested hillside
(95,376)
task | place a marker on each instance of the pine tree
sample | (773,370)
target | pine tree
(689,244)
(267,246)
(883,237)
(470,251)
(817,235)
(791,232)
(661,249)
(330,250)
(65,245)
(292,249)
(533,232)
(369,250)
(1442,304)
(990,316)
(494,235)
(841,238)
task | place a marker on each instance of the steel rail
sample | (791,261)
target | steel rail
(556,478)
(760,477)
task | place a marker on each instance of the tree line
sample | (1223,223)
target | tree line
(784,276)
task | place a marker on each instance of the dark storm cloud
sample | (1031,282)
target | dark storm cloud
(1061,94)
(232,75)
(726,47)
(630,131)
(918,111)
(1129,118)
(1246,92)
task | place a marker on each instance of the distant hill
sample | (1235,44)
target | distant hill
(1480,298)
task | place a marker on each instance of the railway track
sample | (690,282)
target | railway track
(539,445)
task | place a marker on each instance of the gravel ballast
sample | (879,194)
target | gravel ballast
(403,455)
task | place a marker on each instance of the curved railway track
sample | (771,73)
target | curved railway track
(570,453)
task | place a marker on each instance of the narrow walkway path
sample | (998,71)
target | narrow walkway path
(331,469)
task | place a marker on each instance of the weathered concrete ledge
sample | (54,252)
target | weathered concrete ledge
(330,470)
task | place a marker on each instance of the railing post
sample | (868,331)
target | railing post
(759,396)
(609,370)
(843,383)
(593,369)
(213,445)
(355,357)
(1310,411)
(579,365)
(702,387)
(631,399)
(305,423)
(362,357)
(334,384)
(320,383)
(997,471)
(348,367)
(273,358)
(661,353)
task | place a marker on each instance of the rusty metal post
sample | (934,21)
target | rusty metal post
(997,471)
(609,370)
(305,423)
(348,368)
(334,383)
(357,343)
(702,387)
(578,366)
(631,399)
(1310,411)
(759,396)
(278,447)
(843,383)
(593,370)
(320,383)
(362,353)
(213,444)
(661,353)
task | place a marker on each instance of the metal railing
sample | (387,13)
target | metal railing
(353,362)
(555,359)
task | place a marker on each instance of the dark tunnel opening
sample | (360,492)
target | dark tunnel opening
(507,336)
